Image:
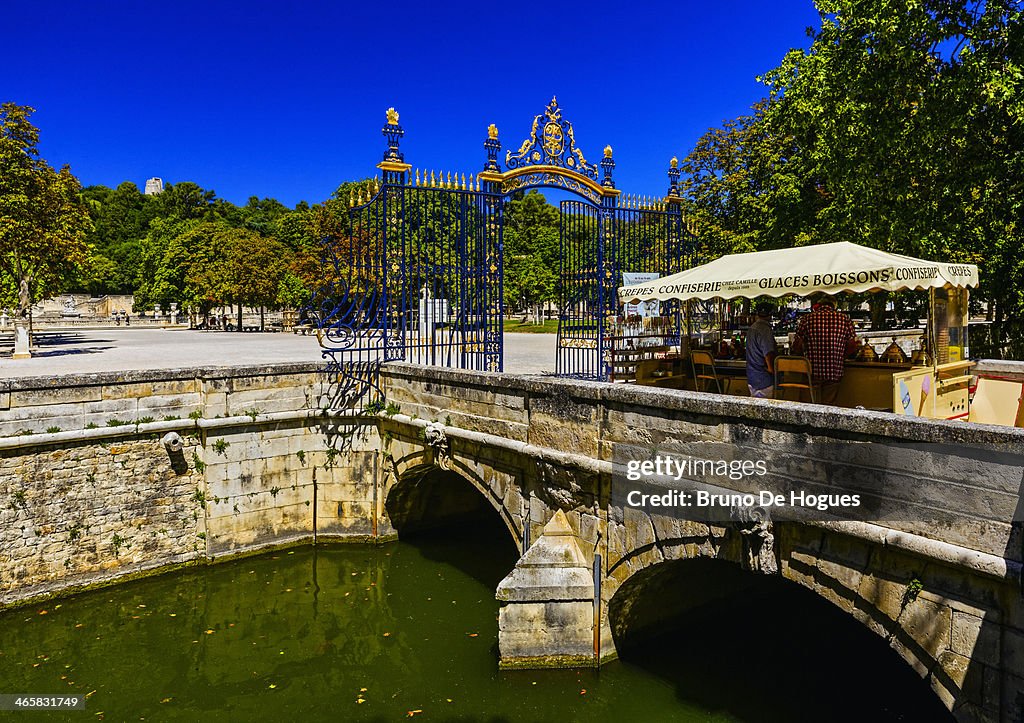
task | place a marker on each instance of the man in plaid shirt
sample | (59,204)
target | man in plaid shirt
(825,336)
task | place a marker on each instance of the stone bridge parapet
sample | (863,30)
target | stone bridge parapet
(946,595)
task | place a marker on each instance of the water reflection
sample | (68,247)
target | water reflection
(377,633)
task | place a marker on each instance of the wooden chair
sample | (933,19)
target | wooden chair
(797,368)
(705,379)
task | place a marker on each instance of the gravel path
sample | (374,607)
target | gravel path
(95,350)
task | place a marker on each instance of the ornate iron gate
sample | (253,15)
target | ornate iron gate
(416,272)
(598,246)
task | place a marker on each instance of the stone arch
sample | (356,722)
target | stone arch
(421,466)
(869,584)
(771,633)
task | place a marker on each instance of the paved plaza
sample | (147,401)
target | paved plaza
(101,350)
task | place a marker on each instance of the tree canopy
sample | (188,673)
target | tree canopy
(43,222)
(901,128)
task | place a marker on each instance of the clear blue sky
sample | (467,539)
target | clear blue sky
(287,100)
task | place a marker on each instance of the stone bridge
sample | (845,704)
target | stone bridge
(946,593)
(119,474)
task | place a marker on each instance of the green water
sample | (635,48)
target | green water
(350,633)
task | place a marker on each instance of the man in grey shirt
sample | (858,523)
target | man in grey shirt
(761,351)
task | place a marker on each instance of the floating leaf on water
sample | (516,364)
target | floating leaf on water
(411,713)
(583,692)
(211,631)
(142,606)
(387,635)
(287,589)
(43,612)
(173,615)
(472,635)
(79,625)
(448,699)
(362,690)
(167,700)
(89,693)
(360,700)
(57,607)
(272,686)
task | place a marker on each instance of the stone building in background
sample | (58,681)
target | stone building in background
(154,186)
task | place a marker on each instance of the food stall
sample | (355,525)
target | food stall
(932,382)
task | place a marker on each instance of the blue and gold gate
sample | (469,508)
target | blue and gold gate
(602,248)
(415,274)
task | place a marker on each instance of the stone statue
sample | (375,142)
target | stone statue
(437,440)
(755,526)
(24,299)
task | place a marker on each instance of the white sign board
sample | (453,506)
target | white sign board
(643,309)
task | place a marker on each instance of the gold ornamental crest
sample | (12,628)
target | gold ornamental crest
(554,140)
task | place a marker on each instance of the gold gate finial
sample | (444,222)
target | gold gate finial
(392,116)
(607,151)
(492,131)
(674,163)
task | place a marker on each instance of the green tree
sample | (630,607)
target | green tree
(121,219)
(899,128)
(252,269)
(43,222)
(748,188)
(167,251)
(531,252)
(184,201)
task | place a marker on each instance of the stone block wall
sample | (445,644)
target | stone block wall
(77,514)
(89,492)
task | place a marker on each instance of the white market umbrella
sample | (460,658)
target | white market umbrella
(831,268)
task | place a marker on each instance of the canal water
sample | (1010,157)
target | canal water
(408,630)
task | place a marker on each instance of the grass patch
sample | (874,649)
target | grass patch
(512,326)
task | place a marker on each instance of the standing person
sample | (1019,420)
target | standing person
(825,337)
(761,350)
